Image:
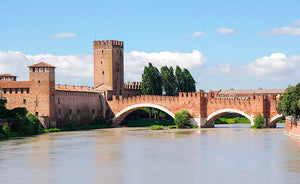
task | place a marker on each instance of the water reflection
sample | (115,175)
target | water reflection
(138,155)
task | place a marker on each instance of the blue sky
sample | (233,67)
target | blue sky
(237,44)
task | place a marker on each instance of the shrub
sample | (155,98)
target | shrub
(182,118)
(6,130)
(258,121)
(156,127)
(21,111)
(172,126)
(52,130)
(2,136)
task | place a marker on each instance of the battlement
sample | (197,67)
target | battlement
(132,85)
(109,43)
(73,88)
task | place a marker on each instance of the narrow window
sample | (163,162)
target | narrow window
(93,111)
(10,91)
(59,111)
(4,91)
(58,100)
(102,51)
(33,69)
(39,81)
(78,111)
(101,62)
(70,112)
(24,101)
(16,91)
(102,72)
(22,91)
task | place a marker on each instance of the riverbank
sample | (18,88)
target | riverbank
(146,123)
(292,126)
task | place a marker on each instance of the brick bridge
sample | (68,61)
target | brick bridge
(204,108)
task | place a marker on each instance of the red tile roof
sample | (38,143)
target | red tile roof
(15,84)
(41,64)
(7,75)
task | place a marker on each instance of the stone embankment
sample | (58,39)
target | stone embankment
(292,126)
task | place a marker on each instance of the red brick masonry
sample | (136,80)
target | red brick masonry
(292,126)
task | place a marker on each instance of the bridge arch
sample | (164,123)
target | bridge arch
(275,119)
(123,113)
(212,117)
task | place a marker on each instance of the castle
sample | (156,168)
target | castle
(57,104)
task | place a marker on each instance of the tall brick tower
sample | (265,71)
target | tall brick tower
(42,91)
(109,66)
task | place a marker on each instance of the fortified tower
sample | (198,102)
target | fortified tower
(42,91)
(109,66)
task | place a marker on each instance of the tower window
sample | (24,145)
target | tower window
(102,51)
(24,101)
(59,111)
(78,111)
(102,72)
(36,113)
(101,62)
(39,81)
(58,100)
(70,112)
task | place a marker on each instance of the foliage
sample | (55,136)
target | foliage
(3,110)
(2,136)
(83,127)
(223,120)
(189,82)
(169,84)
(26,125)
(151,81)
(258,121)
(6,130)
(102,121)
(21,111)
(193,126)
(156,127)
(52,130)
(146,123)
(179,79)
(289,104)
(182,118)
(172,126)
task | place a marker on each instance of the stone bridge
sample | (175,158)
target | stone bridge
(204,108)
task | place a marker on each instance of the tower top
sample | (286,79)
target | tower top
(112,43)
(40,65)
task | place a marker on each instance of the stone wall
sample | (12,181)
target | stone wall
(292,126)
(81,107)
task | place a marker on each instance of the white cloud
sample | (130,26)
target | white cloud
(276,67)
(219,68)
(78,69)
(285,31)
(64,35)
(225,31)
(197,33)
(135,61)
(288,30)
(296,23)
(70,69)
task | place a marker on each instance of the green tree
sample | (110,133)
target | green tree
(169,84)
(182,119)
(258,121)
(151,81)
(189,82)
(179,79)
(3,110)
(289,104)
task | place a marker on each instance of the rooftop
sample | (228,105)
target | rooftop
(250,91)
(41,64)
(14,84)
(7,75)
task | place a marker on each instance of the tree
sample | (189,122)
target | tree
(182,118)
(151,81)
(168,80)
(179,79)
(189,82)
(258,121)
(289,104)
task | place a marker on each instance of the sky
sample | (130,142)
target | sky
(225,44)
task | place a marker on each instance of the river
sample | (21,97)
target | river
(225,154)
